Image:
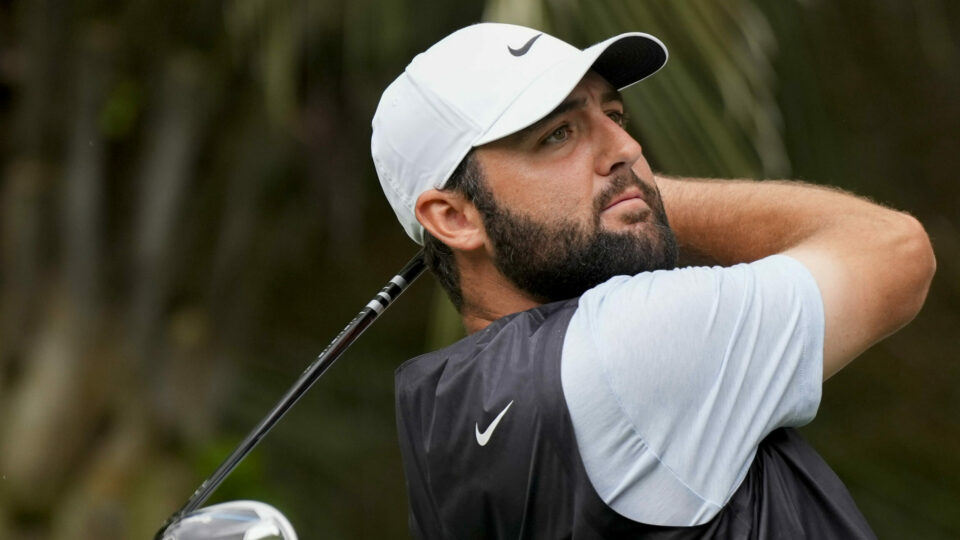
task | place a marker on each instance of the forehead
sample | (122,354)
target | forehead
(595,81)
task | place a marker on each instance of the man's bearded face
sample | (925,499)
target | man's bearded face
(561,259)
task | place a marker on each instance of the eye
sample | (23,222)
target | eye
(558,135)
(620,118)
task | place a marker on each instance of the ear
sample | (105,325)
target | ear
(451,219)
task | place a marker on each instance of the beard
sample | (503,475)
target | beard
(562,259)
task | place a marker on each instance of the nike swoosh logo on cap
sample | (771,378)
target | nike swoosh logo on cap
(526,47)
(484,438)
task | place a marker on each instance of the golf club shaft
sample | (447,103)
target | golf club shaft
(344,339)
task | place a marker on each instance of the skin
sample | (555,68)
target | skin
(560,166)
(873,265)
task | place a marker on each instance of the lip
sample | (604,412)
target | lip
(627,195)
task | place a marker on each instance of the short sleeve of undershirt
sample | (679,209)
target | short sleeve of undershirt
(672,379)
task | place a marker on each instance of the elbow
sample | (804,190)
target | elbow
(917,265)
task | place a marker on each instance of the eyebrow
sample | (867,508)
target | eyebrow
(567,106)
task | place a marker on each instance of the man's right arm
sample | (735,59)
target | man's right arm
(873,265)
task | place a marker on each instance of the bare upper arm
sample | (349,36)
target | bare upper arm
(870,288)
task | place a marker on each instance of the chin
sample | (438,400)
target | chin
(631,223)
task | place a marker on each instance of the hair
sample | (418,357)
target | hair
(467,181)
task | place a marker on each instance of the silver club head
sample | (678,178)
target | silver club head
(234,520)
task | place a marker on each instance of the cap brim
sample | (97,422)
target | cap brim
(622,60)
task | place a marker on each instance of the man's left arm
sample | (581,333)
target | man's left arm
(872,264)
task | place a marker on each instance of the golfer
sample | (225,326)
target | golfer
(606,390)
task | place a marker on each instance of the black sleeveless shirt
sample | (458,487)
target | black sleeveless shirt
(501,387)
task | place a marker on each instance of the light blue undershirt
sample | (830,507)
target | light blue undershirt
(672,379)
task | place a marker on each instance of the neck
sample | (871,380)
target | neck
(488,295)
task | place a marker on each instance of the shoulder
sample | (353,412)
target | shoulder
(692,300)
(686,283)
(660,371)
(516,332)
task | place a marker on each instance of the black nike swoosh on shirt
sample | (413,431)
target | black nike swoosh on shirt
(526,47)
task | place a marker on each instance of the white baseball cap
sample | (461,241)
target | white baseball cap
(477,85)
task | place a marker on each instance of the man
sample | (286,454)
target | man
(603,392)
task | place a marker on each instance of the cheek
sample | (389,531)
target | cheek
(559,187)
(565,205)
(566,195)
(552,191)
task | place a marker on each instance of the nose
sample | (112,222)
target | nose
(616,148)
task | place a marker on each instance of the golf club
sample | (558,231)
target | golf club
(344,339)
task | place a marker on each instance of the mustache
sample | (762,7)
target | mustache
(620,183)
